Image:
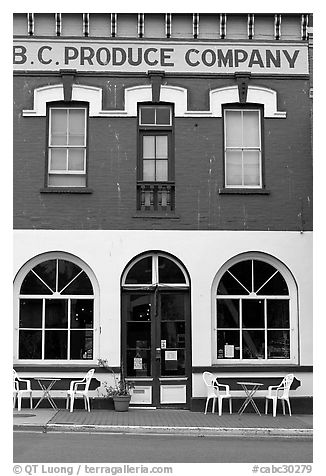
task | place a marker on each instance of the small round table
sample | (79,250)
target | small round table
(250,389)
(46,390)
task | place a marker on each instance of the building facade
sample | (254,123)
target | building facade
(163,199)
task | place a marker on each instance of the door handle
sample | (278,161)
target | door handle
(158,353)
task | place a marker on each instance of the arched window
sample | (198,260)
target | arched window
(56,312)
(255,311)
(155,269)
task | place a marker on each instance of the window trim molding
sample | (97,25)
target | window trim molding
(143,93)
(18,280)
(294,312)
(245,107)
(66,105)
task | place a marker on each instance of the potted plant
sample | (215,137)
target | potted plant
(120,392)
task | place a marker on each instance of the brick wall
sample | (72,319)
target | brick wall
(112,161)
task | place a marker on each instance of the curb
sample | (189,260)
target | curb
(160,430)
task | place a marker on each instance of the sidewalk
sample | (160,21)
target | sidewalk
(181,422)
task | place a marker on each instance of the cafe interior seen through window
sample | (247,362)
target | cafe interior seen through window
(253,315)
(56,319)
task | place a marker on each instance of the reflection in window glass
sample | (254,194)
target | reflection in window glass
(169,272)
(141,272)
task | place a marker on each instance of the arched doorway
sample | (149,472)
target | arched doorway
(156,340)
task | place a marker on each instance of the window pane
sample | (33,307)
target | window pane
(233,166)
(278,344)
(138,335)
(47,272)
(253,345)
(66,272)
(82,313)
(251,129)
(173,333)
(161,147)
(147,115)
(233,125)
(56,313)
(228,344)
(242,271)
(149,170)
(163,116)
(81,285)
(175,366)
(262,272)
(148,147)
(67,180)
(58,135)
(253,313)
(76,127)
(58,159)
(172,307)
(81,345)
(161,170)
(76,159)
(55,345)
(169,272)
(251,167)
(30,345)
(278,313)
(275,286)
(141,272)
(33,285)
(30,313)
(229,285)
(228,313)
(139,308)
(139,368)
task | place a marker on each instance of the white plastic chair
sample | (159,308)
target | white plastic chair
(20,392)
(280,392)
(80,388)
(214,392)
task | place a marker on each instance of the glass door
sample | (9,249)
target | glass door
(155,330)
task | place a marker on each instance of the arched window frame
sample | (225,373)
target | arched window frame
(293,311)
(22,273)
(155,256)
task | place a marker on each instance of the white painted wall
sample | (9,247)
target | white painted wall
(202,253)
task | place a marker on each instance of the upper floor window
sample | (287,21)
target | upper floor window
(67,147)
(155,186)
(243,150)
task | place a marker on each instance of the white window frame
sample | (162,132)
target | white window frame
(67,148)
(155,272)
(293,311)
(242,148)
(27,267)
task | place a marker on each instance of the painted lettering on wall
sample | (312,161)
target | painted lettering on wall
(202,58)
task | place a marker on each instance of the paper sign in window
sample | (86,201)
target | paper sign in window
(229,351)
(138,363)
(171,355)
